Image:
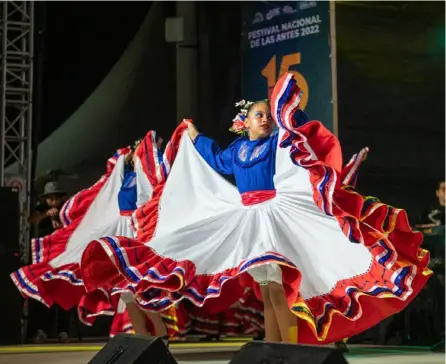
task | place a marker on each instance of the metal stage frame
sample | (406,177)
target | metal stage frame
(16,110)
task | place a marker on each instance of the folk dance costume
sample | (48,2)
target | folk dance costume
(104,208)
(175,318)
(45,279)
(345,261)
(152,171)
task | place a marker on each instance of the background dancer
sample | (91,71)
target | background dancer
(300,229)
(127,316)
(128,202)
(54,276)
(133,319)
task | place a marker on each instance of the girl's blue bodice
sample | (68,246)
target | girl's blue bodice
(127,194)
(252,162)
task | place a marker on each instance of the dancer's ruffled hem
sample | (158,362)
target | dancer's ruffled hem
(48,285)
(122,324)
(341,310)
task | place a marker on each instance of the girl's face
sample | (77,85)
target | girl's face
(159,142)
(259,121)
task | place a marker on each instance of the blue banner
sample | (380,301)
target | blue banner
(289,36)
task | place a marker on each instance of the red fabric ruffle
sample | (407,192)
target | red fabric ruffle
(147,215)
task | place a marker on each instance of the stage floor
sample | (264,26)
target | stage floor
(207,353)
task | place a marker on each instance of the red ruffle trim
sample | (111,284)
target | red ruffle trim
(147,215)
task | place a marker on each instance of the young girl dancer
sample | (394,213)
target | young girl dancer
(106,207)
(338,261)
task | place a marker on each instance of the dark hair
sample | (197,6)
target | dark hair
(265,101)
(439,184)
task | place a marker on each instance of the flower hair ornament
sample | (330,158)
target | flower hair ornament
(238,123)
(136,144)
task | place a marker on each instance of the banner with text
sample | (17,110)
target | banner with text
(289,36)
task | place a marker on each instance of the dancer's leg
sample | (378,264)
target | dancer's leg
(272,332)
(138,318)
(286,319)
(158,324)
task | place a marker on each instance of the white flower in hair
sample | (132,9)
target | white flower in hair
(240,103)
(137,143)
(248,104)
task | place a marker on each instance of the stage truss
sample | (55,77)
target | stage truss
(16,82)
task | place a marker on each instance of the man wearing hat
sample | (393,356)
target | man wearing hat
(46,217)
(46,214)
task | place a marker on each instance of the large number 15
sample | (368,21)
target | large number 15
(269,72)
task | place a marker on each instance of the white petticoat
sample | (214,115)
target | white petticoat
(267,273)
(202,219)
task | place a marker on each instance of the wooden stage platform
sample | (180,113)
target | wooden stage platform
(207,353)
